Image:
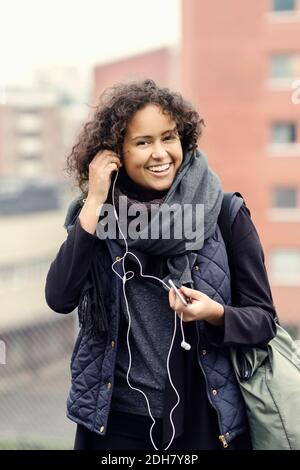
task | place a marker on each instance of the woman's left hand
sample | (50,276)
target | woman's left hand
(201,307)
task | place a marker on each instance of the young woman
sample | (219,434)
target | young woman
(148,371)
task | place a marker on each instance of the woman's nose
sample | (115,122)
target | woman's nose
(159,151)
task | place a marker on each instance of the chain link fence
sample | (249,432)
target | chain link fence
(36,343)
(35,380)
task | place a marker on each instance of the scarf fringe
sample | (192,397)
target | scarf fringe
(92,313)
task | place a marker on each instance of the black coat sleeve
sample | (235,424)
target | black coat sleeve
(251,321)
(68,272)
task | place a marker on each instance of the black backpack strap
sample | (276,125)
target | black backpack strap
(225,222)
(224,219)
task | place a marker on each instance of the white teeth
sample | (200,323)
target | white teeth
(159,167)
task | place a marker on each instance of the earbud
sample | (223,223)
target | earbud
(185,345)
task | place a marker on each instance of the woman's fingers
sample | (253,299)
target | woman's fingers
(187,292)
(191,293)
(104,158)
(187,312)
(174,301)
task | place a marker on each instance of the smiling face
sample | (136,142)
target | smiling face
(152,151)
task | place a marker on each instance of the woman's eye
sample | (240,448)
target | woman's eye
(142,142)
(145,142)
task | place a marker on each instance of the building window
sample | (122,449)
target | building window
(283,140)
(283,5)
(28,110)
(285,266)
(28,123)
(31,167)
(32,134)
(284,205)
(285,198)
(284,66)
(30,157)
(28,145)
(283,133)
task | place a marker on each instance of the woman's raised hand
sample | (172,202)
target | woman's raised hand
(100,174)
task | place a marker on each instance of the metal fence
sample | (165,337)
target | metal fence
(35,381)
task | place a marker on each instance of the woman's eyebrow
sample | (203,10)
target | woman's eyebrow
(149,136)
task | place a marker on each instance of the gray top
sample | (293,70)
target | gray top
(151,330)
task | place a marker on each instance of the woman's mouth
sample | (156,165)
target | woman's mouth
(159,170)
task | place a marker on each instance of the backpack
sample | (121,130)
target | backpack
(269,378)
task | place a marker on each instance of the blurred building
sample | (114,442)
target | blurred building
(36,126)
(240,65)
(31,142)
(39,125)
(162,65)
(71,85)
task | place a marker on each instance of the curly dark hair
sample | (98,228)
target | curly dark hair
(117,105)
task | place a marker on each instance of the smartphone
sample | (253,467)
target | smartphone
(179,295)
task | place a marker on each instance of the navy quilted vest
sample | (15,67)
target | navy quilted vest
(93,360)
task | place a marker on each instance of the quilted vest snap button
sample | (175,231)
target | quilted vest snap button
(102,429)
(196,268)
(117,258)
(204,352)
(215,392)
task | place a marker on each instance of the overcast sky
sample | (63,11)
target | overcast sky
(80,32)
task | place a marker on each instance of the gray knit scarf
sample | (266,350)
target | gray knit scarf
(195,183)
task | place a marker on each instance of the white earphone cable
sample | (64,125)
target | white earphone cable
(185,345)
